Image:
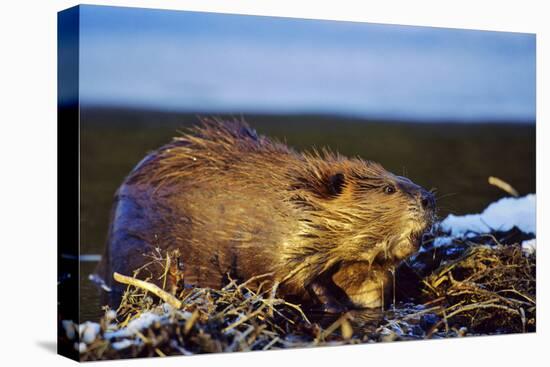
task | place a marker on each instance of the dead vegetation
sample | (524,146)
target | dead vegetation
(480,285)
(490,289)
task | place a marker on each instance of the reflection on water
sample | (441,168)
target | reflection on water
(456,159)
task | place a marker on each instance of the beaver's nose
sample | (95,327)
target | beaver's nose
(427,200)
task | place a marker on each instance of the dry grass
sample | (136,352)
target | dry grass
(480,286)
(488,288)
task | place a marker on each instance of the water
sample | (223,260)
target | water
(456,159)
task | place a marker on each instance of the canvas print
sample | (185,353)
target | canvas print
(244,183)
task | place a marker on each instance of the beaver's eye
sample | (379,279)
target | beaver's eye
(389,189)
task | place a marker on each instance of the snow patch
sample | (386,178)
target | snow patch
(442,241)
(81,347)
(501,215)
(529,246)
(142,322)
(70,329)
(88,331)
(123,344)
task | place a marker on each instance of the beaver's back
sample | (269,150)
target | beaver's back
(219,198)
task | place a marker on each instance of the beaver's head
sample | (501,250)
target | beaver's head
(356,210)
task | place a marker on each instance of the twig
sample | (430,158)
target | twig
(165,296)
(505,186)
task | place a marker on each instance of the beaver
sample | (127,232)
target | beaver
(326,228)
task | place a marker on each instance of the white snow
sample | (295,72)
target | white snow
(81,347)
(501,215)
(110,315)
(529,246)
(143,321)
(70,329)
(88,331)
(442,241)
(123,344)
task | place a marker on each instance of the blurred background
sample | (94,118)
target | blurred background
(445,107)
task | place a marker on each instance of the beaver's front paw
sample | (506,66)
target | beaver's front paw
(329,298)
(366,286)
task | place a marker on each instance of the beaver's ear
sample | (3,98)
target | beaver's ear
(335,184)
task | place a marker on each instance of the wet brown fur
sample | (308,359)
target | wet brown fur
(237,203)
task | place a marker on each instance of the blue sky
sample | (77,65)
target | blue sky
(205,62)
